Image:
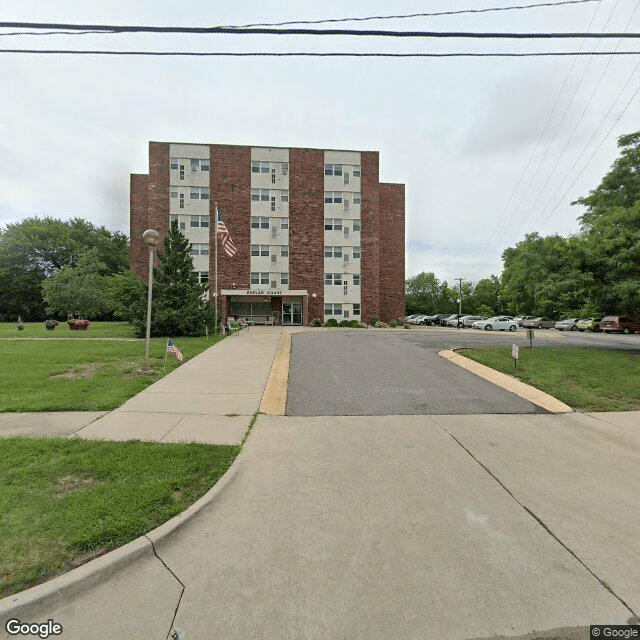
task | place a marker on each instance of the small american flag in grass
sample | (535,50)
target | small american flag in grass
(227,243)
(173,350)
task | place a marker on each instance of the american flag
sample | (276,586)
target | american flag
(173,350)
(227,243)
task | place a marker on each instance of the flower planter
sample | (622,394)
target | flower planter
(49,328)
(73,327)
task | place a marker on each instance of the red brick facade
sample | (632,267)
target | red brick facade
(382,231)
(306,226)
(230,187)
(391,243)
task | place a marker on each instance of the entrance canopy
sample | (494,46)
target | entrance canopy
(285,306)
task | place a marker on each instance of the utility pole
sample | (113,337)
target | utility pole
(459,299)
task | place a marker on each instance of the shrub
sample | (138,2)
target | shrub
(316,323)
(51,324)
(393,324)
(374,321)
(380,325)
(407,325)
(331,322)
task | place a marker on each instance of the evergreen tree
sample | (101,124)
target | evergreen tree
(179,304)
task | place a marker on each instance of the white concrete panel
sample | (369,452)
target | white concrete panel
(342,157)
(270,154)
(189,151)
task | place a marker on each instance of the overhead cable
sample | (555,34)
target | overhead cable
(496,35)
(316,54)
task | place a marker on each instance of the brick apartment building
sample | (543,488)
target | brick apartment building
(318,236)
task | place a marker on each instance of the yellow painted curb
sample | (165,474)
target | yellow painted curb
(540,398)
(274,398)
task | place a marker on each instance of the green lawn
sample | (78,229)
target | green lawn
(64,501)
(585,379)
(82,374)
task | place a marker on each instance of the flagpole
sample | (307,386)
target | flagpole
(215,253)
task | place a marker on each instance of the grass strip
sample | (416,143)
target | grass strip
(83,375)
(585,379)
(65,501)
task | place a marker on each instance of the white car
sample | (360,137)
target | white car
(497,323)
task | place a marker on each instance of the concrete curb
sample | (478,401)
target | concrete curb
(274,398)
(105,566)
(540,398)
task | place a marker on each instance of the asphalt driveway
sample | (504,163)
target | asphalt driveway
(363,373)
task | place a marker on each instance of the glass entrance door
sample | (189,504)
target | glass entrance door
(291,313)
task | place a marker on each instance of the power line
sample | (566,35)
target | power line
(540,136)
(415,15)
(575,128)
(315,54)
(315,32)
(555,133)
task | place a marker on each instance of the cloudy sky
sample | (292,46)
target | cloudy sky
(489,148)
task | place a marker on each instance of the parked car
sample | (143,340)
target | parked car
(521,319)
(418,318)
(411,317)
(589,324)
(497,323)
(469,320)
(452,321)
(539,323)
(568,324)
(437,320)
(619,324)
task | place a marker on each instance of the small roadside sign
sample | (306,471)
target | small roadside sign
(515,354)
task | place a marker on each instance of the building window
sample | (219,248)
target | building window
(273,203)
(199,221)
(204,193)
(173,192)
(259,222)
(259,278)
(180,222)
(346,288)
(356,253)
(260,250)
(264,278)
(285,168)
(356,280)
(255,278)
(174,163)
(356,225)
(195,164)
(284,196)
(333,252)
(356,171)
(194,193)
(259,167)
(333,196)
(333,224)
(356,309)
(260,195)
(204,165)
(182,200)
(284,278)
(284,251)
(273,176)
(332,309)
(357,198)
(284,224)
(200,249)
(332,169)
(203,277)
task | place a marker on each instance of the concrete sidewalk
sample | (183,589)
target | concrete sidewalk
(394,527)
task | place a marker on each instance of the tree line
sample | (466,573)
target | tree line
(594,272)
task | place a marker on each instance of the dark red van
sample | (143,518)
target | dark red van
(621,324)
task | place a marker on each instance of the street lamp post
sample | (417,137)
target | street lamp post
(151,237)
